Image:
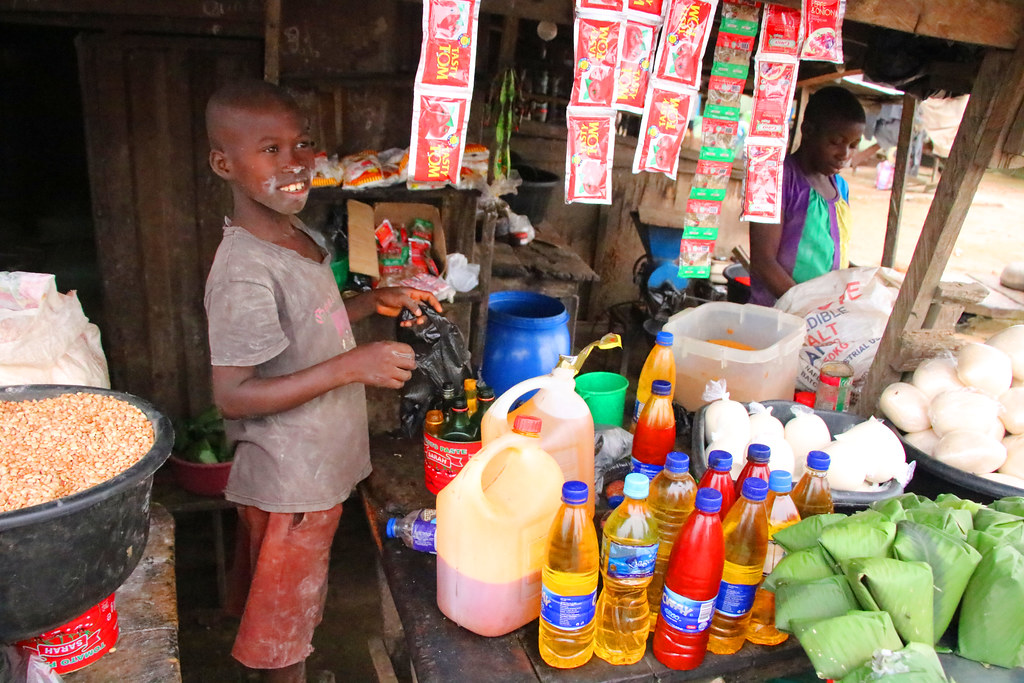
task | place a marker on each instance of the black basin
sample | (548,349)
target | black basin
(61,558)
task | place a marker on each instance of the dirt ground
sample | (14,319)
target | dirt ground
(989,238)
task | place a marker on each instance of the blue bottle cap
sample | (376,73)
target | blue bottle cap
(391,527)
(677,462)
(759,452)
(755,489)
(636,485)
(709,500)
(780,481)
(664,338)
(818,460)
(720,460)
(661,387)
(575,492)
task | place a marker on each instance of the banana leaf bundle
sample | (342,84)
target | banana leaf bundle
(916,663)
(991,628)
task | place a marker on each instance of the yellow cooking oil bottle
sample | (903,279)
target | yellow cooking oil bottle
(671,500)
(569,582)
(629,547)
(746,543)
(812,494)
(782,513)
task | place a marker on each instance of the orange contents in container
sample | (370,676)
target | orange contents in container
(732,344)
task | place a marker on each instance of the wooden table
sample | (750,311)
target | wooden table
(147,612)
(439,650)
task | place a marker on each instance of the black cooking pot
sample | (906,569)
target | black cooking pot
(737,283)
(59,559)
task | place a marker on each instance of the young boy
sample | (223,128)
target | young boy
(287,375)
(812,237)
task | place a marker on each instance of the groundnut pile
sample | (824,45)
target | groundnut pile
(53,447)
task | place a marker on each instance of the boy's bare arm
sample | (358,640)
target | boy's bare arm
(389,301)
(240,392)
(764,248)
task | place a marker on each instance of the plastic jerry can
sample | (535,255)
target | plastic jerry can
(493,521)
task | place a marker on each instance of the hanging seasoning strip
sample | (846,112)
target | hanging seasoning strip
(781,34)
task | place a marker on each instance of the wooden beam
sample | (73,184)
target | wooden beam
(989,112)
(899,181)
(815,81)
(272,42)
(507,48)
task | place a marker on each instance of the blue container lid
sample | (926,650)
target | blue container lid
(661,387)
(818,460)
(636,485)
(709,500)
(575,492)
(755,489)
(391,527)
(720,460)
(759,452)
(527,310)
(780,481)
(677,461)
(664,338)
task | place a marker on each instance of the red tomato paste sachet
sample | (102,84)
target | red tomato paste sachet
(762,187)
(606,5)
(439,136)
(781,33)
(588,155)
(649,7)
(823,30)
(634,70)
(596,56)
(448,52)
(774,87)
(683,40)
(662,128)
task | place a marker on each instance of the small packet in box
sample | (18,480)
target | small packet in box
(633,73)
(596,56)
(662,128)
(439,136)
(781,33)
(386,236)
(762,186)
(422,228)
(448,50)
(774,87)
(683,41)
(695,257)
(588,155)
(430,283)
(823,30)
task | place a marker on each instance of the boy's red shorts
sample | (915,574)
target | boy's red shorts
(279,583)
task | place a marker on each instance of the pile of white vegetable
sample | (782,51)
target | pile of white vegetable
(863,458)
(967,411)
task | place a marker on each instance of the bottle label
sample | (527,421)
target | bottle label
(684,614)
(638,408)
(423,535)
(631,561)
(735,599)
(648,470)
(774,555)
(443,459)
(567,612)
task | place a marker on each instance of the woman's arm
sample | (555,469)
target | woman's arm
(764,248)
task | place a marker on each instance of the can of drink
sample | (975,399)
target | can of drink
(834,386)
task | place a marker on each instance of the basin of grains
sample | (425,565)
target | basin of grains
(54,447)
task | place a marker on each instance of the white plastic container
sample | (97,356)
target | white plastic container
(768,372)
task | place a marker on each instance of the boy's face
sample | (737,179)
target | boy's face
(831,146)
(267,156)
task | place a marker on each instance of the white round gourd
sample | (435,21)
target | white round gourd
(971,451)
(1011,342)
(924,441)
(935,376)
(985,368)
(906,406)
(1012,414)
(962,409)
(847,470)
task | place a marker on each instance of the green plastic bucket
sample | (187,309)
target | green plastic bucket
(605,394)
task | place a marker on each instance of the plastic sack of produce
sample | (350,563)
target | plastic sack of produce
(846,312)
(588,156)
(662,129)
(45,337)
(683,41)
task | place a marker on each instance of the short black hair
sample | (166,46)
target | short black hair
(833,104)
(247,94)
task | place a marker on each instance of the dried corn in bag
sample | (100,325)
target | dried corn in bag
(684,38)
(662,129)
(774,87)
(588,155)
(823,30)
(440,119)
(596,40)
(781,33)
(633,73)
(762,185)
(448,50)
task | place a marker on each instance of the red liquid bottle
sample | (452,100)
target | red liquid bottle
(758,455)
(718,476)
(691,586)
(655,432)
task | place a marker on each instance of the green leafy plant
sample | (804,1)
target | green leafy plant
(201,439)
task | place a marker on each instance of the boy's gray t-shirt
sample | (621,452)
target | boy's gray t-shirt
(270,308)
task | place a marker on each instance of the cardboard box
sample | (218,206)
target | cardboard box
(363,220)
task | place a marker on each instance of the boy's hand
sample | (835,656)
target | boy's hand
(385,364)
(391,300)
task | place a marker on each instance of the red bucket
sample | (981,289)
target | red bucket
(80,642)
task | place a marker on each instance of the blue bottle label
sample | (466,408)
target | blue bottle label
(631,561)
(646,469)
(638,407)
(684,614)
(423,535)
(567,612)
(735,599)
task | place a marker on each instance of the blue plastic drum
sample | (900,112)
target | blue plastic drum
(526,333)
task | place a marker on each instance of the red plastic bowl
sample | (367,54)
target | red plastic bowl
(200,478)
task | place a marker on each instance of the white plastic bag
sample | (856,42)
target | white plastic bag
(846,312)
(462,275)
(45,337)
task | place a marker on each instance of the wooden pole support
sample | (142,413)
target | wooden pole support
(272,42)
(899,181)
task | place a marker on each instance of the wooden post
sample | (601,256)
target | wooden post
(997,92)
(899,181)
(272,42)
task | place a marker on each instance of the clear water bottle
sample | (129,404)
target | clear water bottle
(416,529)
(671,501)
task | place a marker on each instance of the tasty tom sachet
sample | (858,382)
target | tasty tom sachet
(662,128)
(683,41)
(633,74)
(823,30)
(448,51)
(439,135)
(588,155)
(596,40)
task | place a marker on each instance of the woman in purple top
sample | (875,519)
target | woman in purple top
(812,237)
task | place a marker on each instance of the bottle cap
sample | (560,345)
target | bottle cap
(469,384)
(636,485)
(391,527)
(448,387)
(720,460)
(709,500)
(818,460)
(434,417)
(677,462)
(660,387)
(755,489)
(460,403)
(483,390)
(664,339)
(759,452)
(575,492)
(780,481)
(527,424)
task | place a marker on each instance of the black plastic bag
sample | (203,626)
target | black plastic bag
(441,356)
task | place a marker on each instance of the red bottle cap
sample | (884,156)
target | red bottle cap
(527,424)
(804,397)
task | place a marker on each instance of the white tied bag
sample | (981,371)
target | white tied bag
(45,337)
(846,312)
